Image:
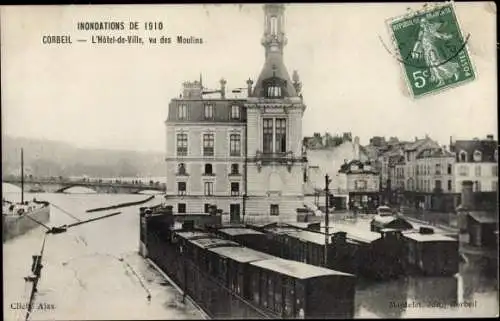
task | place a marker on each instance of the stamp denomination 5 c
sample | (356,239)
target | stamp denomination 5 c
(432,50)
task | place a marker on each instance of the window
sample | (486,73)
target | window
(209,111)
(181,169)
(234,145)
(182,112)
(235,189)
(274,26)
(463,170)
(438,169)
(477,186)
(207,208)
(235,169)
(477,170)
(267,131)
(494,186)
(208,144)
(478,156)
(449,169)
(273,91)
(449,185)
(437,184)
(280,135)
(496,155)
(181,188)
(208,169)
(209,188)
(182,144)
(494,170)
(360,184)
(235,112)
(463,156)
(181,208)
(275,209)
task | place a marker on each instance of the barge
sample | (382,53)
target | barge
(229,280)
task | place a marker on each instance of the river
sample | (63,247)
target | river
(83,277)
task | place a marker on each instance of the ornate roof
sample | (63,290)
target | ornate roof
(274,70)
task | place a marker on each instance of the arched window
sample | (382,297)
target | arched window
(478,156)
(274,25)
(208,169)
(463,156)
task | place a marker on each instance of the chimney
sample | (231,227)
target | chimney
(467,196)
(223,83)
(249,87)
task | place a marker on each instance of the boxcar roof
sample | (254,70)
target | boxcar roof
(240,231)
(193,234)
(312,237)
(213,242)
(296,269)
(241,254)
(356,233)
(429,237)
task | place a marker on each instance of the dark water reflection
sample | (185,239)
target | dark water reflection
(467,294)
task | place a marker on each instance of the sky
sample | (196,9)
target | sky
(116,96)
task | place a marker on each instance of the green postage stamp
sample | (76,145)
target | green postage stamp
(432,50)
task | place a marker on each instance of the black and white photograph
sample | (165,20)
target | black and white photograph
(249,161)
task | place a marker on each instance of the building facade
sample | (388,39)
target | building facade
(362,184)
(242,155)
(476,160)
(274,125)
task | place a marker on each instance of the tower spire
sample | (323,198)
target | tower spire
(274,38)
(274,80)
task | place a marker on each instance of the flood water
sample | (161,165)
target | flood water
(83,276)
(93,271)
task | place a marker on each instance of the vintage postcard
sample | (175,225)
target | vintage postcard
(234,161)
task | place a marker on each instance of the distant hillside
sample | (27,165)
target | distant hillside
(52,158)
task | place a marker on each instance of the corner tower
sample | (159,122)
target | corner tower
(274,127)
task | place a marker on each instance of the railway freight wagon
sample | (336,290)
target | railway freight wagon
(248,237)
(218,274)
(431,254)
(377,256)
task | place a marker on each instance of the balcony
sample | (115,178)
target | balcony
(284,158)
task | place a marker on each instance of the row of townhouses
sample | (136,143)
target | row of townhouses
(419,173)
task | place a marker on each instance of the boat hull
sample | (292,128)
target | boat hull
(14,225)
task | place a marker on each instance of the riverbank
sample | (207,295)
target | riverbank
(112,207)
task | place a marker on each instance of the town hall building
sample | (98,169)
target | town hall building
(244,156)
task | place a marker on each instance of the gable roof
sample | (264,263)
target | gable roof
(434,153)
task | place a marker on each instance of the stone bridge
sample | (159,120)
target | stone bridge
(59,185)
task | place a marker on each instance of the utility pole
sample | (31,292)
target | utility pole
(22,176)
(327,182)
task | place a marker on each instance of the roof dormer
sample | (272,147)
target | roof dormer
(462,156)
(478,156)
